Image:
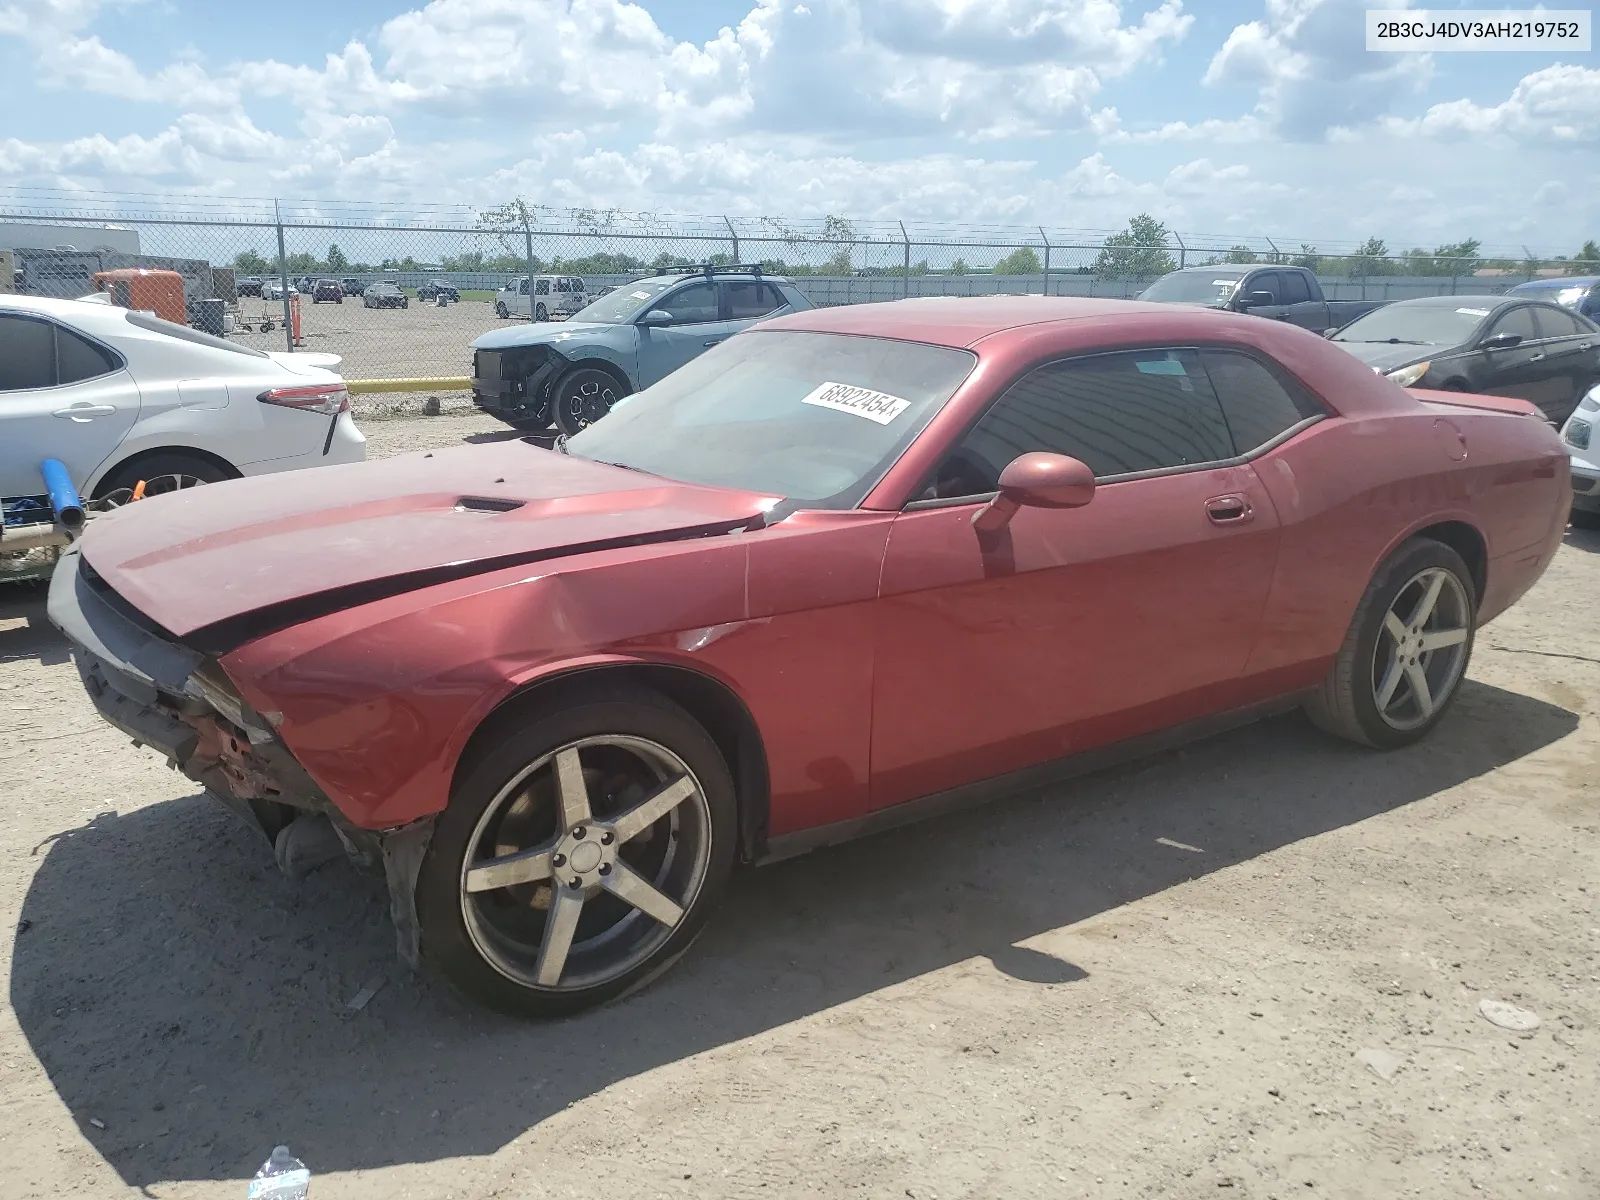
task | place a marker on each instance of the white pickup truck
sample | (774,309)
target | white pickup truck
(550,298)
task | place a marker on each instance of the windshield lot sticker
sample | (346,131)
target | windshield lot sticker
(859,401)
(1474,312)
(639,295)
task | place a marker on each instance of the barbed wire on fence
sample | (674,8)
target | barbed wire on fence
(242,250)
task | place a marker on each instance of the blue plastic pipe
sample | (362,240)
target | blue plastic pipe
(64,497)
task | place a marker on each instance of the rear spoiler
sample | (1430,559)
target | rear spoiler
(1502,404)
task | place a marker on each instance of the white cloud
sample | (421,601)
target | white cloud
(1561,103)
(1310,66)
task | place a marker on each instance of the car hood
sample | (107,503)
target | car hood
(1386,356)
(543,335)
(232,559)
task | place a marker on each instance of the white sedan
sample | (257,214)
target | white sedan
(1583,443)
(120,397)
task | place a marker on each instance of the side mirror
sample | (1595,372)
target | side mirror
(1036,480)
(1501,341)
(656,316)
(1330,331)
(1256,299)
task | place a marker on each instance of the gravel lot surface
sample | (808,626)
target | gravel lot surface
(1254,968)
(381,343)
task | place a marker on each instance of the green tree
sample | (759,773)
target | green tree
(959,267)
(1307,258)
(336,259)
(302,263)
(1241,254)
(248,262)
(1371,257)
(601,263)
(1588,258)
(472,260)
(1022,261)
(1140,249)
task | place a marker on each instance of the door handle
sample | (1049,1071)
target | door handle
(714,341)
(85,412)
(1537,357)
(1228,510)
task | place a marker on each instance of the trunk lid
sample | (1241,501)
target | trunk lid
(1510,405)
(190,560)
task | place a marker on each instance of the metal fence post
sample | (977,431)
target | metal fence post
(905,281)
(735,237)
(1277,255)
(1183,251)
(1046,239)
(527,233)
(283,278)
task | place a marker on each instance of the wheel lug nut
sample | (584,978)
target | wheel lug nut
(607,838)
(579,831)
(605,868)
(559,860)
(576,883)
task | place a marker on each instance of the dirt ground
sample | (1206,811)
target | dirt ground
(422,341)
(1250,969)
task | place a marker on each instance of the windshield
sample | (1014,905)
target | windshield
(1425,324)
(1183,287)
(616,307)
(814,417)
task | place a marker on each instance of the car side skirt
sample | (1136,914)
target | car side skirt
(1017,783)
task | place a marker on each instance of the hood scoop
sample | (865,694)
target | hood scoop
(488,504)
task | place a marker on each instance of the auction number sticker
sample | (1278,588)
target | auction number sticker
(858,401)
(1474,312)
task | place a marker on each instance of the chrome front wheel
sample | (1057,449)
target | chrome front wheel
(586,862)
(581,854)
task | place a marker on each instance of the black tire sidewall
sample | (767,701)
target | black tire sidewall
(1395,574)
(446,945)
(568,423)
(174,462)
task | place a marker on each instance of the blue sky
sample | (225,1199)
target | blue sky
(1222,116)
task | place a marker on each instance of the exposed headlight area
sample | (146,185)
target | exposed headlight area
(1406,376)
(1577,433)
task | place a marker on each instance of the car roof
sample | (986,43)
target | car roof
(1554,285)
(1222,268)
(1485,300)
(90,315)
(680,276)
(961,321)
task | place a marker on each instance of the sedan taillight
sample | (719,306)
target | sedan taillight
(328,399)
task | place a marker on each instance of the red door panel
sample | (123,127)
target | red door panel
(1082,627)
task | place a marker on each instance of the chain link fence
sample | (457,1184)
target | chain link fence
(246,266)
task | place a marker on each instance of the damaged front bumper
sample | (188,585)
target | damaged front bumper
(180,703)
(515,380)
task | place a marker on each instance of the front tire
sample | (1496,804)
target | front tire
(500,310)
(583,395)
(1406,651)
(541,314)
(582,852)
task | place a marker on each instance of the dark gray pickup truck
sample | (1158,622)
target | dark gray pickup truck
(1282,293)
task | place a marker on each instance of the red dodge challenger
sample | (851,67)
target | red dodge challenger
(848,568)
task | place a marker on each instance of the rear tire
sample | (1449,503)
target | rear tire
(163,465)
(501,942)
(541,314)
(1406,651)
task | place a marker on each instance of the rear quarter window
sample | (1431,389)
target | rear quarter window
(1258,403)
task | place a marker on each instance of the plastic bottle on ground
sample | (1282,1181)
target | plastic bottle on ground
(281,1177)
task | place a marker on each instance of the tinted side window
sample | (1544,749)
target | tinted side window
(1138,411)
(1553,323)
(1267,281)
(748,299)
(1518,321)
(692,305)
(1295,289)
(27,353)
(79,358)
(1258,405)
(542,287)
